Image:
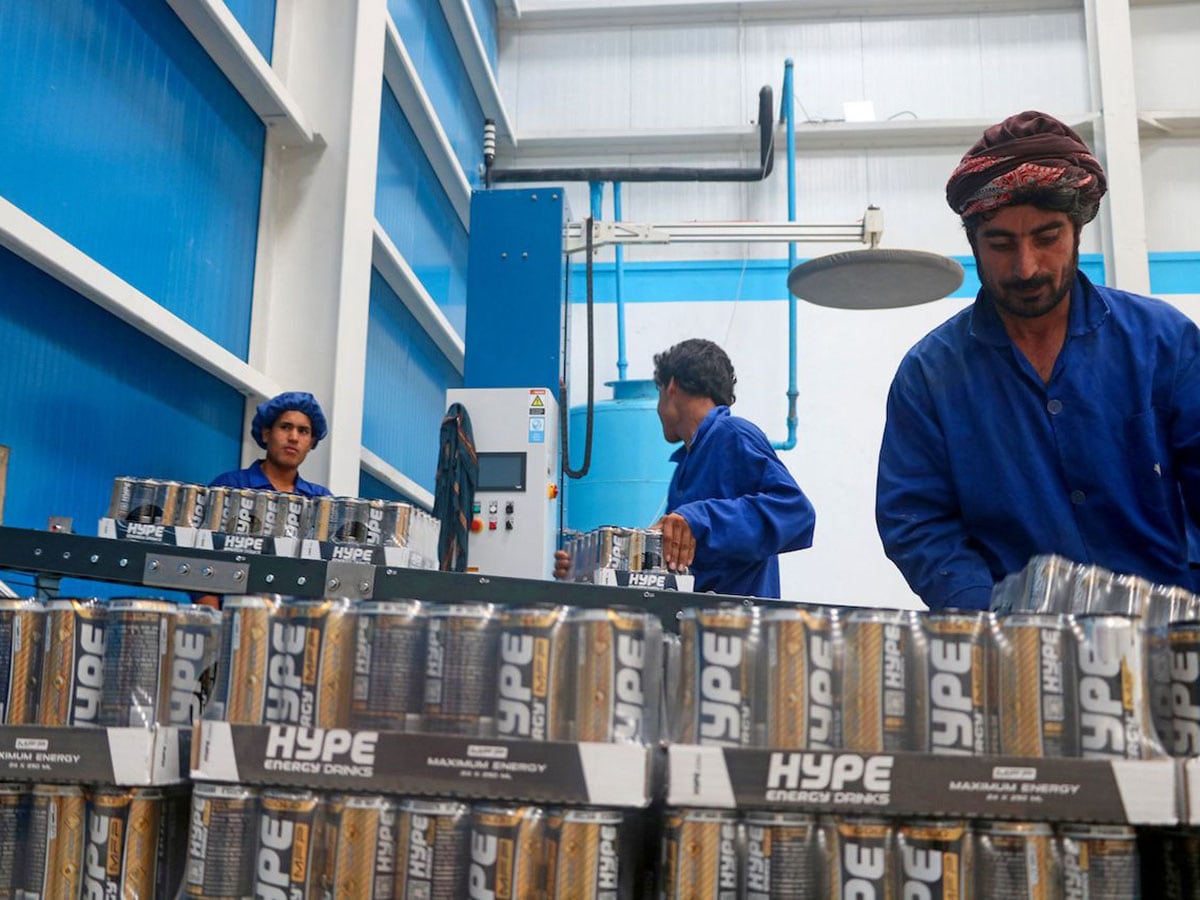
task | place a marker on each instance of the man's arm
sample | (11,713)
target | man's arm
(916,504)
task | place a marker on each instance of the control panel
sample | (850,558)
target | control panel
(514,526)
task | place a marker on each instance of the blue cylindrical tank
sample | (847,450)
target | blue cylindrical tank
(631,466)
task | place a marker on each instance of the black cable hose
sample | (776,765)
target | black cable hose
(591,376)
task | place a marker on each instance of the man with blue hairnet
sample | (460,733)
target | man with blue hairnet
(287,427)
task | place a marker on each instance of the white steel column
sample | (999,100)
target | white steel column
(313,271)
(1110,49)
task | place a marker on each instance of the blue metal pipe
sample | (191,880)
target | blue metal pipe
(619,270)
(786,116)
(596,193)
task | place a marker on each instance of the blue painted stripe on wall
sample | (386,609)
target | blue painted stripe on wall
(406,381)
(88,398)
(373,489)
(120,135)
(418,216)
(758,279)
(427,37)
(257,17)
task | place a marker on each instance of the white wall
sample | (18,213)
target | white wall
(656,92)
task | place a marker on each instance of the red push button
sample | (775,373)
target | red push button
(477,525)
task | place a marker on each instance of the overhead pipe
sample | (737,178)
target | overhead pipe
(786,116)
(766,161)
(619,270)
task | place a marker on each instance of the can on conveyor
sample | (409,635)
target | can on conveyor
(617,676)
(389,656)
(506,852)
(222,841)
(1100,862)
(73,666)
(935,859)
(432,850)
(194,661)
(859,855)
(54,852)
(290,844)
(963,713)
(22,631)
(1184,641)
(717,672)
(138,646)
(460,667)
(884,698)
(782,856)
(584,855)
(121,849)
(702,853)
(531,682)
(310,664)
(801,678)
(1112,705)
(1037,679)
(240,695)
(361,848)
(1017,861)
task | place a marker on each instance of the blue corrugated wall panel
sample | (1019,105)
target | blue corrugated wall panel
(429,42)
(87,397)
(405,396)
(484,13)
(416,214)
(122,136)
(257,17)
(371,487)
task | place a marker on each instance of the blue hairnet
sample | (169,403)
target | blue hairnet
(275,407)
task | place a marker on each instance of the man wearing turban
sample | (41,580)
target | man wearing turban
(287,427)
(1053,415)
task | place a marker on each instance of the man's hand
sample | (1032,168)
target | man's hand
(679,544)
(562,564)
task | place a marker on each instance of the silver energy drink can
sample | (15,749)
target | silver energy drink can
(73,667)
(397,519)
(935,859)
(389,653)
(291,516)
(884,696)
(246,512)
(189,510)
(702,854)
(361,848)
(1100,862)
(860,857)
(310,664)
(14,820)
(717,672)
(221,844)
(1111,701)
(193,661)
(289,861)
(962,709)
(433,850)
(782,856)
(22,630)
(1017,861)
(137,663)
(1184,641)
(121,500)
(240,695)
(121,850)
(615,674)
(460,662)
(531,681)
(216,503)
(583,855)
(54,855)
(506,852)
(801,678)
(1037,679)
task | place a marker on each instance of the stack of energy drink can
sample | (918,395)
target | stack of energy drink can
(121,663)
(538,673)
(612,547)
(250,842)
(722,855)
(70,841)
(253,513)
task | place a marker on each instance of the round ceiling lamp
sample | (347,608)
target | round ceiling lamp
(875,279)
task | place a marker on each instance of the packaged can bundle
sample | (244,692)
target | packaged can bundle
(506,852)
(859,857)
(1114,720)
(340,519)
(532,679)
(389,659)
(1037,675)
(121,850)
(800,683)
(291,516)
(1100,862)
(144,501)
(618,675)
(963,707)
(193,661)
(782,856)
(360,861)
(73,665)
(717,673)
(702,855)
(1045,585)
(139,640)
(460,666)
(1184,642)
(397,523)
(222,841)
(1017,861)
(240,695)
(14,823)
(310,664)
(884,699)
(22,630)
(54,855)
(936,859)
(584,856)
(290,843)
(120,501)
(432,850)
(1098,591)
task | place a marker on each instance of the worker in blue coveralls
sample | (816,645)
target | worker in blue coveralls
(1051,416)
(287,427)
(732,506)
